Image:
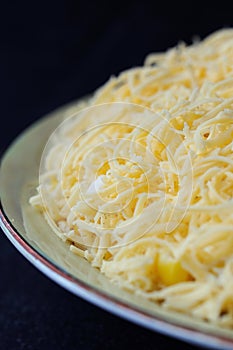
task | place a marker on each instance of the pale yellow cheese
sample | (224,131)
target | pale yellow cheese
(173,169)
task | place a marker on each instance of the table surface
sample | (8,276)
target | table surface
(53,54)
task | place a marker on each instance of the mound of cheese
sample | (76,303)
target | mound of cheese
(145,192)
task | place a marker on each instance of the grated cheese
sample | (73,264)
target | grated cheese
(141,184)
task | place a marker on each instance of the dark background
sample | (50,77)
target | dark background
(51,53)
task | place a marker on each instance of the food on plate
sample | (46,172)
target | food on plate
(140,180)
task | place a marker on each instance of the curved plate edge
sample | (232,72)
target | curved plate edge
(102,300)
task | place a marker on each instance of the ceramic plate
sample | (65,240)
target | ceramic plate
(32,236)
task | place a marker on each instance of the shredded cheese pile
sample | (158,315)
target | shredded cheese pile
(148,197)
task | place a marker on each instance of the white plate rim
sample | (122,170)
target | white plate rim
(103,300)
(93,295)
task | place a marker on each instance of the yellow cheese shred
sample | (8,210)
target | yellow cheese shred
(148,198)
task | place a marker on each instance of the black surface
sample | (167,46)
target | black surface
(52,53)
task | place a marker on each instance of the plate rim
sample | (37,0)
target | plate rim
(100,297)
(106,302)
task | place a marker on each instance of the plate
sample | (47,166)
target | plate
(31,235)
